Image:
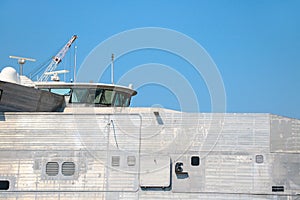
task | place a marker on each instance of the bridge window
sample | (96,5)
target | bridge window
(92,96)
(102,97)
(121,100)
(61,91)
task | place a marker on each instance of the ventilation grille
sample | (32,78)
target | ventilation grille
(52,168)
(131,160)
(115,161)
(68,168)
(259,159)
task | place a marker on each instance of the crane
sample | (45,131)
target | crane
(57,59)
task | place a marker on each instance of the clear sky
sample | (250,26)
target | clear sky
(254,43)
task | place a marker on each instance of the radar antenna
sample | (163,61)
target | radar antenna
(22,61)
(54,74)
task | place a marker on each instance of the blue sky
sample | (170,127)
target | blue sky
(255,44)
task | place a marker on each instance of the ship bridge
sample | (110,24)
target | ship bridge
(90,94)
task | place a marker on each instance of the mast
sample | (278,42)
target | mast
(112,68)
(75,63)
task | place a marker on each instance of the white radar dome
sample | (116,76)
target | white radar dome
(9,74)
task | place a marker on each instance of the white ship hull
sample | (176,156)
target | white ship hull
(133,153)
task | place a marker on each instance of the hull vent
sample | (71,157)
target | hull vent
(115,161)
(259,159)
(52,168)
(68,168)
(131,160)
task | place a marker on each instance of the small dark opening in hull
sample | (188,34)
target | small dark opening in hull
(4,185)
(277,189)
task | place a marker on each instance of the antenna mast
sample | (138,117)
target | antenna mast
(112,68)
(75,63)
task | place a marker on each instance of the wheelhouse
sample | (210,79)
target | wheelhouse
(98,95)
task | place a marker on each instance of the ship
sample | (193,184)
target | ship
(91,144)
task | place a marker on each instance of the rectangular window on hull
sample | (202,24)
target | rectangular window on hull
(158,118)
(277,188)
(4,185)
(195,160)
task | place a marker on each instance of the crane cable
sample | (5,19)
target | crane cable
(42,67)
